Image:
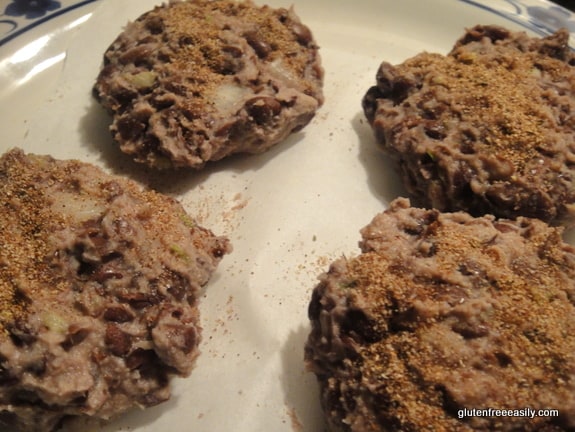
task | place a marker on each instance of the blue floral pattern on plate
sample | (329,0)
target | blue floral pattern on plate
(31,8)
(553,17)
(19,16)
(534,15)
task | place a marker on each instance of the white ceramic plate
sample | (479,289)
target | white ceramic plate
(288,212)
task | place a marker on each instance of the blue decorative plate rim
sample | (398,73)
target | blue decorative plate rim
(541,17)
(20,16)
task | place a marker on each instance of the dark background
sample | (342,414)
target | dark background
(569,4)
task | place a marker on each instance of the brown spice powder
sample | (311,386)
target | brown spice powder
(505,94)
(25,221)
(200,28)
(522,299)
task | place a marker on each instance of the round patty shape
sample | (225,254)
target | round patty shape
(444,312)
(99,285)
(487,128)
(195,81)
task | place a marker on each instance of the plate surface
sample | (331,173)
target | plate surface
(288,212)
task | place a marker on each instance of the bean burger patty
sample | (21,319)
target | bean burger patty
(488,128)
(99,285)
(443,312)
(195,81)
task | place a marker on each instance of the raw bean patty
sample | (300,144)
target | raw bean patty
(99,285)
(444,312)
(196,81)
(488,128)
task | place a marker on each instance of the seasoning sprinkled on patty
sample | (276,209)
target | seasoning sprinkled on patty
(487,128)
(195,81)
(99,285)
(443,312)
